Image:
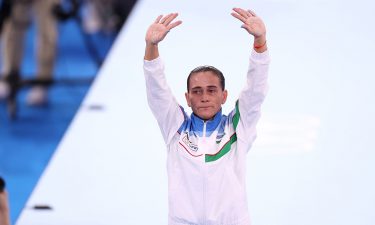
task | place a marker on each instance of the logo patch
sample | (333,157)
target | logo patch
(190,144)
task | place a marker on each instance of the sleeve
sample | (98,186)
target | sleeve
(247,111)
(161,101)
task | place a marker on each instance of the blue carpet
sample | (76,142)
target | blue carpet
(27,144)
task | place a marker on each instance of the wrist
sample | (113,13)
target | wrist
(260,44)
(260,40)
(151,44)
(151,52)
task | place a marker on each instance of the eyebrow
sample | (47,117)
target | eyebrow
(199,87)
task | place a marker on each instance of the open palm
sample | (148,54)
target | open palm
(251,22)
(160,28)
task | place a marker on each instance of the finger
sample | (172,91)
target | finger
(162,21)
(241,18)
(170,19)
(158,19)
(242,12)
(246,27)
(251,12)
(173,25)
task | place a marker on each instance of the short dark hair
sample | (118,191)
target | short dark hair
(206,68)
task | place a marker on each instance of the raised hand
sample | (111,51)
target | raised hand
(251,22)
(254,25)
(160,28)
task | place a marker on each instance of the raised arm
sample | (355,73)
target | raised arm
(254,26)
(157,32)
(160,98)
(253,94)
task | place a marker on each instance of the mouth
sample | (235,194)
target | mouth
(204,107)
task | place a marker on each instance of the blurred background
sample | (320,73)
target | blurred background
(312,162)
(86,30)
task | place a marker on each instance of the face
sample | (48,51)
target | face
(205,95)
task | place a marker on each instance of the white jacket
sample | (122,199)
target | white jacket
(207,160)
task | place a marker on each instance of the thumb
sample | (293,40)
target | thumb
(245,26)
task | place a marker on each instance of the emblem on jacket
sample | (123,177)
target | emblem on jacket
(190,144)
(219,137)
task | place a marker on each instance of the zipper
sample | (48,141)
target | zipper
(204,194)
(204,130)
(204,178)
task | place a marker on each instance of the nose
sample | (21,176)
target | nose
(205,97)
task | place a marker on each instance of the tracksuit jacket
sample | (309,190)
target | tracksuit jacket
(206,160)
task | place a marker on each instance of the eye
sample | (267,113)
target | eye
(212,90)
(197,91)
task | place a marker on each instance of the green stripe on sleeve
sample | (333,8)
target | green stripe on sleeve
(236,117)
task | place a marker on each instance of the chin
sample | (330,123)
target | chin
(205,114)
(206,117)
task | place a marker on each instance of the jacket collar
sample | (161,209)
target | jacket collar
(211,125)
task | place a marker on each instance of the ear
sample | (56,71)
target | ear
(187,99)
(225,95)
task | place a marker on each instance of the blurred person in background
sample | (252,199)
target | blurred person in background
(4,11)
(4,206)
(106,16)
(12,37)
